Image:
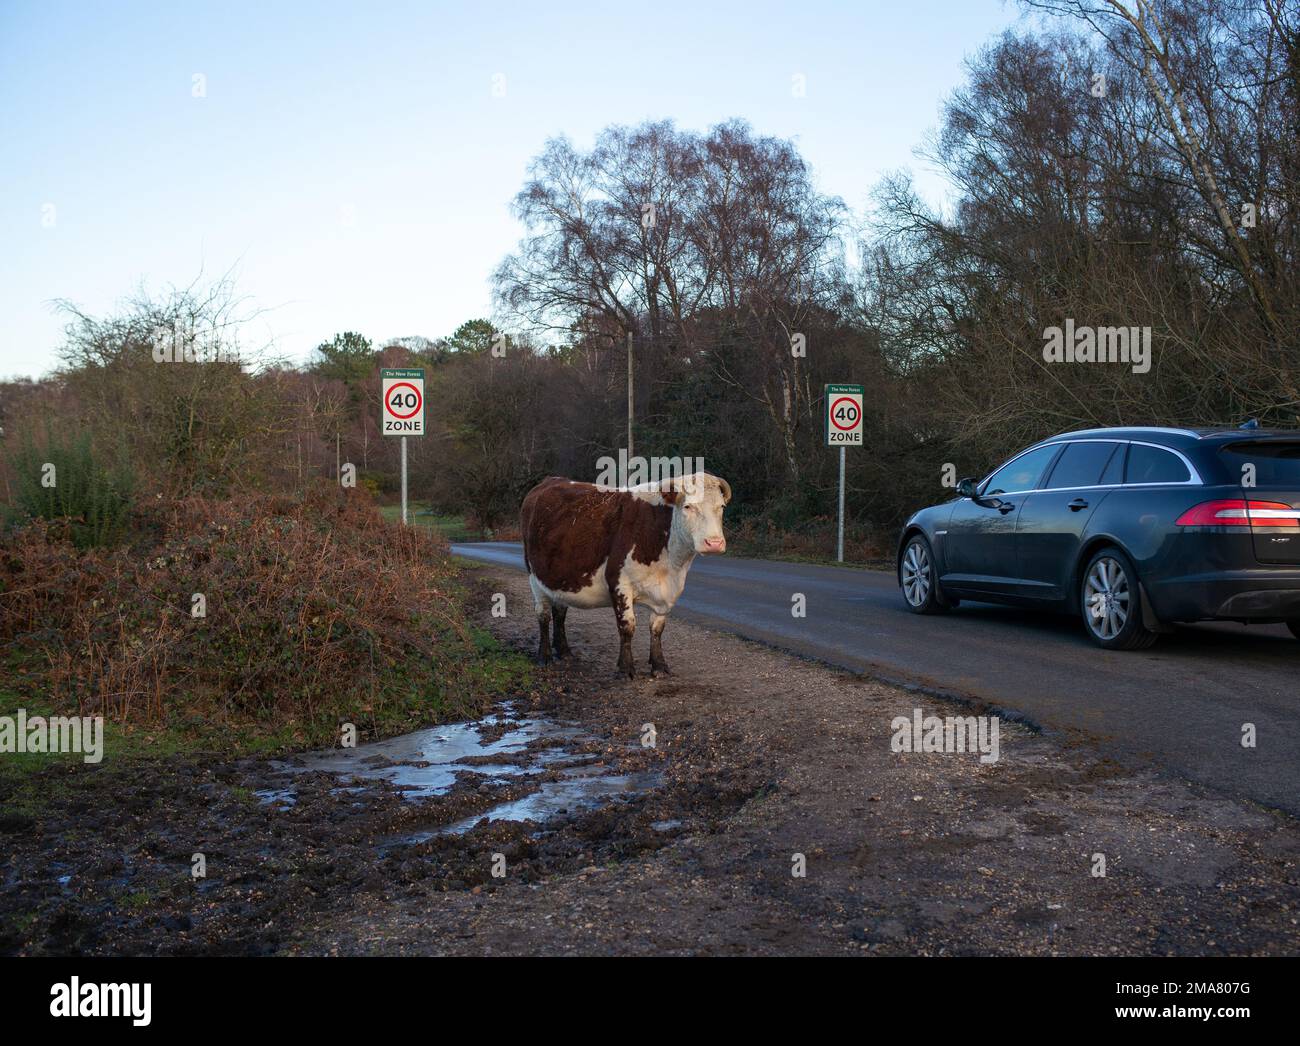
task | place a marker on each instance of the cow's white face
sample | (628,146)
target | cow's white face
(698,501)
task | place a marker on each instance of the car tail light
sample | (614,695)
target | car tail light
(1237,513)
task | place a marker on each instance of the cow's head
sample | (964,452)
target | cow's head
(698,500)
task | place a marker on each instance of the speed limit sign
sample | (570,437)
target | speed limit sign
(403,399)
(843,415)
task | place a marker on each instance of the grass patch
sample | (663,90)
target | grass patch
(448,527)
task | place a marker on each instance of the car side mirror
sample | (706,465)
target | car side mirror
(966,487)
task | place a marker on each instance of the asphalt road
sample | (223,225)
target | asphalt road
(1181,704)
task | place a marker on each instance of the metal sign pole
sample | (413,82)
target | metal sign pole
(839,545)
(404,481)
(843,427)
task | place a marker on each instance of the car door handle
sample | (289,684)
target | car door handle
(1077,504)
(1006,507)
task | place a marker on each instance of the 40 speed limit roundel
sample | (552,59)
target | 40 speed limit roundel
(403,402)
(844,415)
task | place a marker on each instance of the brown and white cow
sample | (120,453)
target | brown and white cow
(587,546)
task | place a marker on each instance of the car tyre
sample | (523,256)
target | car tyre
(919,580)
(1110,600)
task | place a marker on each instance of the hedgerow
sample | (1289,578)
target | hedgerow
(273,612)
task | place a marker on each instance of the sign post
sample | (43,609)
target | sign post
(843,429)
(403,410)
(839,532)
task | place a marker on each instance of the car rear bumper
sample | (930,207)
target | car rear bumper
(1238,595)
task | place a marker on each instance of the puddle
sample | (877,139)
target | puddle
(427,763)
(277,796)
(576,790)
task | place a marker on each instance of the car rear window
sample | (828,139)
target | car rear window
(1276,462)
(1081,465)
(1153,465)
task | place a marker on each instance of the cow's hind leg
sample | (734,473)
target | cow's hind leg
(559,612)
(542,604)
(658,666)
(625,615)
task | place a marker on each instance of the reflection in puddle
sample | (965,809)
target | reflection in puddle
(427,762)
(278,796)
(583,787)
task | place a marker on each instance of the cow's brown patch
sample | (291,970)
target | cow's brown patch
(570,529)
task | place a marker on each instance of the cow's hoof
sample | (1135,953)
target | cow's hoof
(659,670)
(564,651)
(543,660)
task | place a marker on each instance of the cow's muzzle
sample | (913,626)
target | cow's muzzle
(715,544)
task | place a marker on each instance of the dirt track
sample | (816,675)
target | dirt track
(763,757)
(767,757)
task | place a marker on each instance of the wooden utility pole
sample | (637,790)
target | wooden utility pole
(629,394)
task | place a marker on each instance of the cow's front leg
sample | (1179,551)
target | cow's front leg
(559,612)
(625,615)
(658,666)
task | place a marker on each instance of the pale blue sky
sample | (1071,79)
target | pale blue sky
(351,161)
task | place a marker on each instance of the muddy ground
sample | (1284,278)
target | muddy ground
(763,758)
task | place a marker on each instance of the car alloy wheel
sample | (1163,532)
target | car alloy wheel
(916,573)
(1112,602)
(1108,598)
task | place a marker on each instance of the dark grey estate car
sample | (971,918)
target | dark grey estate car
(1134,529)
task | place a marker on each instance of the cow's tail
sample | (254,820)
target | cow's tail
(523,534)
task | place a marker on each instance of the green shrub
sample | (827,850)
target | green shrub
(378,482)
(65,483)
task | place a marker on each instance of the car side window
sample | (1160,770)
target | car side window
(1021,474)
(1114,474)
(1081,465)
(1153,465)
